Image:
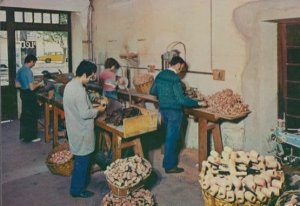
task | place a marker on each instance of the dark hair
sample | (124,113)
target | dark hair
(175,60)
(85,67)
(29,58)
(110,62)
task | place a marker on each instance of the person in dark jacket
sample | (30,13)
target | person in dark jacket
(168,89)
(29,115)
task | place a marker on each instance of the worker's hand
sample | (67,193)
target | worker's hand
(203,103)
(17,84)
(41,84)
(101,107)
(103,100)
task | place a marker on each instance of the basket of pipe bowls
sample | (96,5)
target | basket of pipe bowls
(235,178)
(60,160)
(140,197)
(127,175)
(143,82)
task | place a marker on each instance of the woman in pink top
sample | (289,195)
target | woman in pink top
(108,78)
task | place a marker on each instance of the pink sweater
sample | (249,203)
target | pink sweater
(108,79)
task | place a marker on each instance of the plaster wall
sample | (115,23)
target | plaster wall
(259,77)
(205,27)
(230,35)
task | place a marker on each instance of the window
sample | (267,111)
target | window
(3,59)
(2,16)
(28,17)
(38,17)
(18,16)
(289,73)
(23,31)
(50,47)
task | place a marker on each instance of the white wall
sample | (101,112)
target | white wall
(242,44)
(119,27)
(259,77)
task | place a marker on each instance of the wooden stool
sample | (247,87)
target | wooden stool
(204,128)
(118,144)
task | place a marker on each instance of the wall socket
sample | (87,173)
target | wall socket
(218,74)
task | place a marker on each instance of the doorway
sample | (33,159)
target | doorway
(44,33)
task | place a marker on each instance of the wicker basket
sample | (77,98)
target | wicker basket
(144,88)
(64,169)
(123,192)
(210,200)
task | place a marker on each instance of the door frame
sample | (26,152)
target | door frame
(9,99)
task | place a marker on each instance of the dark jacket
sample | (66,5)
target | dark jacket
(167,87)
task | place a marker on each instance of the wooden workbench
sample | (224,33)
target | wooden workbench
(57,108)
(45,100)
(147,122)
(206,122)
(128,134)
(52,109)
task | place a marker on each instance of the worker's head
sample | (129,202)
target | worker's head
(30,60)
(111,63)
(86,71)
(177,63)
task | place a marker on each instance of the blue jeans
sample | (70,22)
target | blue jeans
(172,120)
(80,174)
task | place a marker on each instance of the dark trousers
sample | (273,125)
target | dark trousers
(29,115)
(172,120)
(81,174)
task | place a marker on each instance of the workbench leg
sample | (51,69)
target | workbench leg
(55,126)
(216,132)
(116,147)
(202,141)
(138,147)
(104,141)
(46,122)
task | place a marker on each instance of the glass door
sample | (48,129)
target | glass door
(4,59)
(50,47)
(44,33)
(8,92)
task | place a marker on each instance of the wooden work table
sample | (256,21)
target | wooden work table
(55,106)
(120,138)
(206,122)
(45,100)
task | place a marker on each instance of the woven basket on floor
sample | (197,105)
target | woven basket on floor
(144,88)
(64,169)
(210,200)
(123,192)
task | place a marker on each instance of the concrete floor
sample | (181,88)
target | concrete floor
(26,179)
